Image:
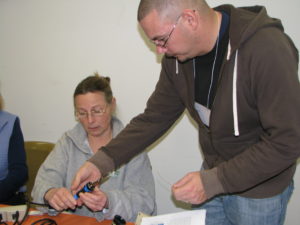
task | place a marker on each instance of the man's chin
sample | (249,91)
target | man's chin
(180,58)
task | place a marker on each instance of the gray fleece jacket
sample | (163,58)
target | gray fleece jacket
(130,189)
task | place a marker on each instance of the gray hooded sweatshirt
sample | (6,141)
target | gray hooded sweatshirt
(130,189)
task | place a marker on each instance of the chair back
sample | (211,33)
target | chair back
(36,153)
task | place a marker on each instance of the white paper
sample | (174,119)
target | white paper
(203,112)
(193,217)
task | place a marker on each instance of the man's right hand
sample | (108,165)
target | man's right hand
(60,199)
(88,172)
(190,189)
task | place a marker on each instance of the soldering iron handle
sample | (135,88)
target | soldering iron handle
(87,188)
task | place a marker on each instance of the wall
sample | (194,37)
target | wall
(47,47)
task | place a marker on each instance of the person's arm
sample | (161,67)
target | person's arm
(164,107)
(52,173)
(190,189)
(17,167)
(136,193)
(126,192)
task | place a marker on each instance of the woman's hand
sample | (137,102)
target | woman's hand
(60,199)
(96,200)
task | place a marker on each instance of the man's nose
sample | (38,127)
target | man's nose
(160,49)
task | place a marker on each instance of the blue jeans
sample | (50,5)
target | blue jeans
(237,210)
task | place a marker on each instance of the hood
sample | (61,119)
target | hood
(244,23)
(79,136)
(250,21)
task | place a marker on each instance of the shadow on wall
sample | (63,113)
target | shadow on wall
(176,203)
(150,45)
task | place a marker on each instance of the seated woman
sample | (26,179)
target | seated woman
(125,192)
(13,168)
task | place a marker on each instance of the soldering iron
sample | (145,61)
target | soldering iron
(89,187)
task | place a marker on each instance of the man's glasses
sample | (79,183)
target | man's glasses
(80,114)
(162,42)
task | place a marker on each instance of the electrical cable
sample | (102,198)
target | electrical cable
(2,222)
(17,214)
(45,221)
(39,204)
(26,212)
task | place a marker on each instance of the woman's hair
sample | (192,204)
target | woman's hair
(95,83)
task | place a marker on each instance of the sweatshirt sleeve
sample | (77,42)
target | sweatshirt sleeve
(163,108)
(52,173)
(17,167)
(137,192)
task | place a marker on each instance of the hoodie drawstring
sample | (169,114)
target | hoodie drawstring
(234,92)
(234,97)
(234,89)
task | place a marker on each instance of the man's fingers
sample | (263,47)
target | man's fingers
(87,172)
(189,189)
(77,184)
(183,181)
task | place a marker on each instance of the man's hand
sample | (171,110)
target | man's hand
(88,172)
(190,189)
(95,200)
(60,199)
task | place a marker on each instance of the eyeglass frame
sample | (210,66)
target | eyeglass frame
(166,39)
(92,113)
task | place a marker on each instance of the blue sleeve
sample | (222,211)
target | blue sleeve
(17,167)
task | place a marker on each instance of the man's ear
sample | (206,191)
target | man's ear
(191,18)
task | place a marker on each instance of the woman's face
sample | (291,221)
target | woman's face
(94,113)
